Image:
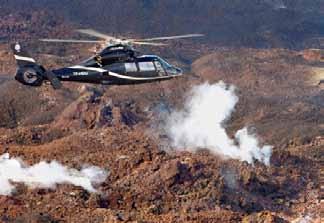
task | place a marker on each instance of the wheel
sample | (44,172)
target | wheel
(29,76)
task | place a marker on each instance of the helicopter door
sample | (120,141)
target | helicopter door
(130,67)
(159,68)
(146,66)
(147,69)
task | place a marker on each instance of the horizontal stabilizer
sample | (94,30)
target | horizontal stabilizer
(55,82)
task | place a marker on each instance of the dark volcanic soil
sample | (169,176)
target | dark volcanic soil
(112,128)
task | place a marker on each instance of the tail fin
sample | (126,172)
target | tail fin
(22,57)
(25,61)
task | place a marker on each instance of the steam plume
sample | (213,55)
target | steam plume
(201,125)
(45,175)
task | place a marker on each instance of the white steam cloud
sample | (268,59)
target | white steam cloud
(45,175)
(201,125)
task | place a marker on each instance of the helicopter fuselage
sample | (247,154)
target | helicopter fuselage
(115,65)
(121,70)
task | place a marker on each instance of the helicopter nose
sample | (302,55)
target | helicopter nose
(178,71)
(174,71)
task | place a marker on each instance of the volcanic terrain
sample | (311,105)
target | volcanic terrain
(121,129)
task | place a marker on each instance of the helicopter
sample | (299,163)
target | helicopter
(118,63)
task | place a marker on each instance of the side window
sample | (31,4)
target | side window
(146,66)
(159,68)
(130,67)
(158,65)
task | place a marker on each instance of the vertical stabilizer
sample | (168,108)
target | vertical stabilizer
(22,57)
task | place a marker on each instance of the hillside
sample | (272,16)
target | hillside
(253,23)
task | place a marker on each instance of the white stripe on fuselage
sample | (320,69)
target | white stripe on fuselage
(136,78)
(25,59)
(89,68)
(118,75)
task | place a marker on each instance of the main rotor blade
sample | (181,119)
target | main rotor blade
(146,43)
(70,41)
(171,37)
(95,33)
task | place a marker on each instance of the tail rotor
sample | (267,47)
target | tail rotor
(29,72)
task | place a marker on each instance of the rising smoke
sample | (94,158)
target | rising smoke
(201,125)
(45,175)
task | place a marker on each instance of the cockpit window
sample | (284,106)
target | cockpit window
(146,66)
(169,69)
(165,64)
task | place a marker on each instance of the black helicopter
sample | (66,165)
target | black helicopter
(117,64)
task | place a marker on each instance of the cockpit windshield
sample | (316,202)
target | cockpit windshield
(164,63)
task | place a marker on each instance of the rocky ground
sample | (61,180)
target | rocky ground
(118,129)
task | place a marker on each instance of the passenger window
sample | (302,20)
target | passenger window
(130,67)
(146,66)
